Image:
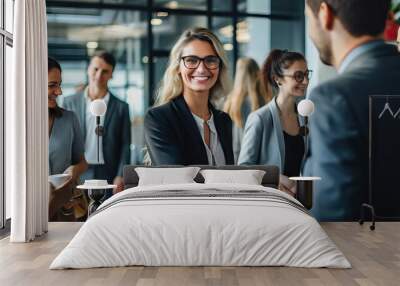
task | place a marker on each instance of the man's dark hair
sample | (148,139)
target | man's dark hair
(107,57)
(359,17)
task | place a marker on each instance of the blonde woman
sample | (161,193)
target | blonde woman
(185,128)
(248,95)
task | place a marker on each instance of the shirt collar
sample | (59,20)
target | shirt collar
(354,53)
(210,122)
(106,98)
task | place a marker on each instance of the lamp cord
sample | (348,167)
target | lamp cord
(303,161)
(98,137)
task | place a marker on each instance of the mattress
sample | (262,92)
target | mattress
(201,225)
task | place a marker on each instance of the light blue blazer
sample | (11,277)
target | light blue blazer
(263,142)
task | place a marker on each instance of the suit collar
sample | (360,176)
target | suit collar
(223,136)
(111,99)
(192,130)
(372,55)
(106,98)
(109,112)
(278,130)
(190,126)
(110,109)
(357,51)
(82,111)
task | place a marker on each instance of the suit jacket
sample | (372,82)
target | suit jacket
(173,138)
(117,131)
(339,132)
(263,142)
(237,131)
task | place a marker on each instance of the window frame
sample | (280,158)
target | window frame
(150,8)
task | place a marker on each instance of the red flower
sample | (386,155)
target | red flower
(391,29)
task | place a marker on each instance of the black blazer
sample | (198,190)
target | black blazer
(172,136)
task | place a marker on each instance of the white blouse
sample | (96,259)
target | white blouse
(215,154)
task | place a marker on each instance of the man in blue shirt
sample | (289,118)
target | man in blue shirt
(349,36)
(114,149)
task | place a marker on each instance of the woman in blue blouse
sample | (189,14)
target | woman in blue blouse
(66,146)
(272,134)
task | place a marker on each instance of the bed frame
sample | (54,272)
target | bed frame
(270,179)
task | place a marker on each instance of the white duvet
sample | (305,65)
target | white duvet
(207,230)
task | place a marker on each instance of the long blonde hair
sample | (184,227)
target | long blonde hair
(248,82)
(171,85)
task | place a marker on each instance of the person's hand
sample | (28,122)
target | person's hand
(119,181)
(71,170)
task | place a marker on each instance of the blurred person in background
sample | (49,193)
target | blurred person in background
(272,134)
(66,148)
(116,139)
(248,95)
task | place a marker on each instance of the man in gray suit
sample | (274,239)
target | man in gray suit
(116,139)
(349,36)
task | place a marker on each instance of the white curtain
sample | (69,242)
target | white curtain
(27,123)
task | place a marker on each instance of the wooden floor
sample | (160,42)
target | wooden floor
(375,257)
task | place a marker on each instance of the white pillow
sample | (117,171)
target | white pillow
(248,177)
(166,176)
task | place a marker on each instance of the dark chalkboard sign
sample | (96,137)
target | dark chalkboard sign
(384,155)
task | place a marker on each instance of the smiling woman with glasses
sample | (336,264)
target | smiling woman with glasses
(185,128)
(193,62)
(299,76)
(272,134)
(66,149)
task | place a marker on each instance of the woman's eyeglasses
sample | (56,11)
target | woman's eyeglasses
(53,85)
(300,75)
(193,62)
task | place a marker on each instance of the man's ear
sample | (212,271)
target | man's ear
(326,16)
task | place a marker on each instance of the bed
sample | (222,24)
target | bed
(201,224)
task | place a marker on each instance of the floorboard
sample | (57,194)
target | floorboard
(374,255)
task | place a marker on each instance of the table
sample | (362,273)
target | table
(96,195)
(304,190)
